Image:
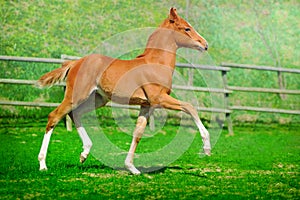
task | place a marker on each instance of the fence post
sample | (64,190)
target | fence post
(226,96)
(191,77)
(281,84)
(68,123)
(152,122)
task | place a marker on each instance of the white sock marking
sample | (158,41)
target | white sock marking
(43,151)
(87,143)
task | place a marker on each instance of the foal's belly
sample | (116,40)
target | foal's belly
(138,97)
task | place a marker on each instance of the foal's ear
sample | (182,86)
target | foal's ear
(173,15)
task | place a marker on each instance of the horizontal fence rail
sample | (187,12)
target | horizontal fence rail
(266,90)
(224,69)
(266,68)
(280,91)
(66,57)
(45,104)
(271,110)
(32,59)
(25,103)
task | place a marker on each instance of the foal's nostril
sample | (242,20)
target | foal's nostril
(206,47)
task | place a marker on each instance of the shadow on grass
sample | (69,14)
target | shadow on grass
(86,167)
(159,170)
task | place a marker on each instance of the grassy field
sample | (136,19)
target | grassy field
(259,162)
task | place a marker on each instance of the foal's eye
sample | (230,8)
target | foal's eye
(187,29)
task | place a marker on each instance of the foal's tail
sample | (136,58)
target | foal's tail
(56,75)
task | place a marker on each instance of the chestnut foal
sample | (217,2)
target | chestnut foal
(145,81)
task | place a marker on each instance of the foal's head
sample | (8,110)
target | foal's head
(187,36)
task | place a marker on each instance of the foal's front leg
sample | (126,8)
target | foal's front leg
(94,101)
(137,135)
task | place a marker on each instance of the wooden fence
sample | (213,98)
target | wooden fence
(224,70)
(281,90)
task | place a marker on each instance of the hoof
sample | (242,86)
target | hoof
(82,158)
(44,169)
(207,152)
(43,166)
(132,169)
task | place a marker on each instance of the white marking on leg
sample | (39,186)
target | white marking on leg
(129,164)
(205,137)
(87,143)
(43,151)
(188,108)
(130,156)
(137,134)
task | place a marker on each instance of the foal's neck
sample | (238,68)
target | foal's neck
(161,48)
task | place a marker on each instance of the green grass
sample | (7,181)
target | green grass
(259,162)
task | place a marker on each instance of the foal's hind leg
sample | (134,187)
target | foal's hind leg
(70,102)
(94,101)
(54,117)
